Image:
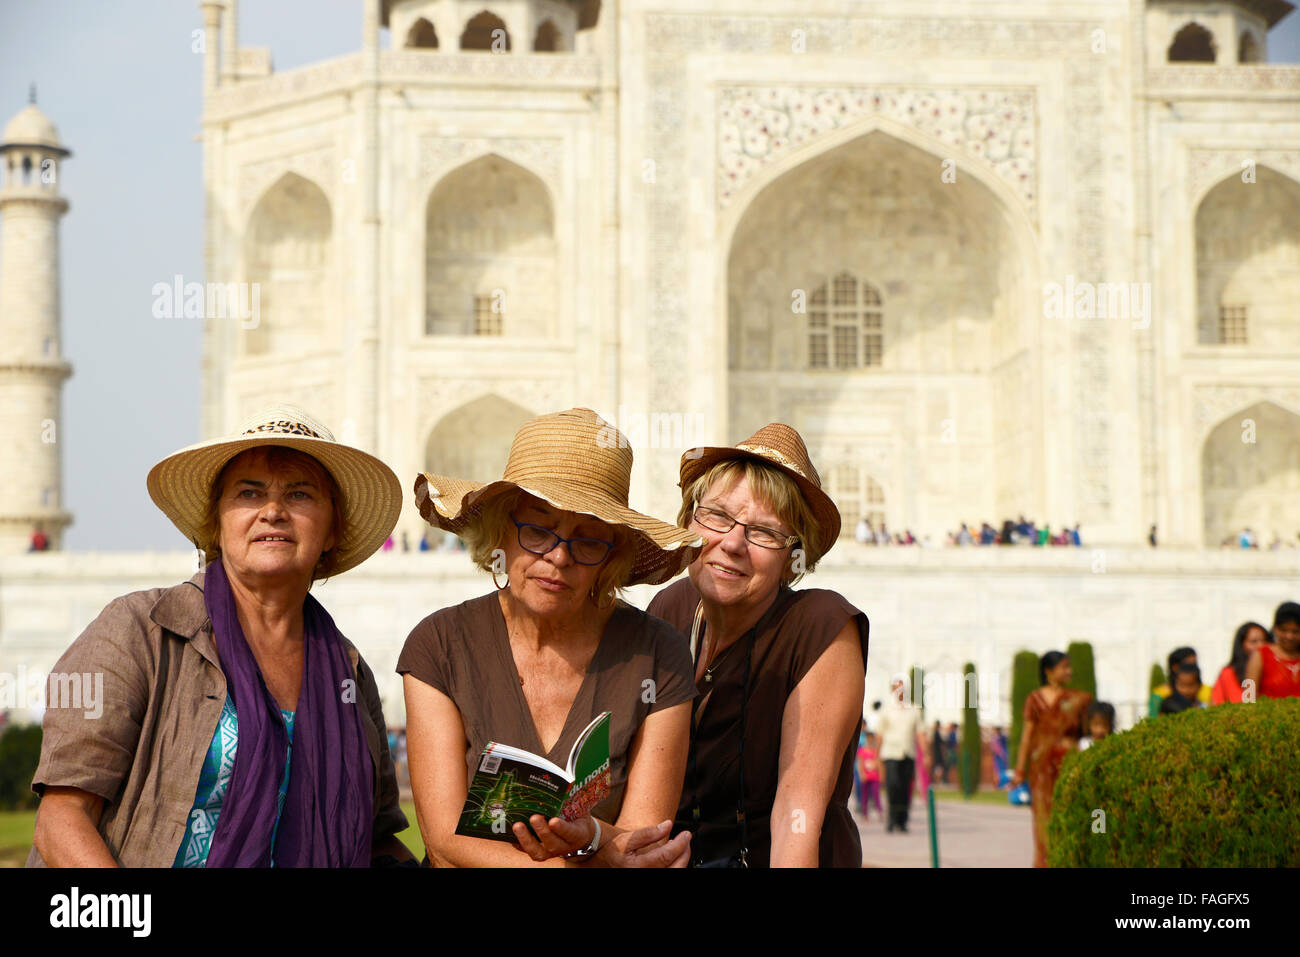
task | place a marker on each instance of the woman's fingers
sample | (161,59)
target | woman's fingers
(527,843)
(573,834)
(644,838)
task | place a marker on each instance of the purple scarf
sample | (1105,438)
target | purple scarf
(328,812)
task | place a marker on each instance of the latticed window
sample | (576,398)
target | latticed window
(486,321)
(845,325)
(1232,325)
(858,496)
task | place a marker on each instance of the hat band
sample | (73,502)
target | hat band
(771,453)
(284,427)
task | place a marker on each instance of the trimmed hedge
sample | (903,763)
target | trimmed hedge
(1157,677)
(1085,675)
(969,765)
(1024,679)
(20,752)
(1216,787)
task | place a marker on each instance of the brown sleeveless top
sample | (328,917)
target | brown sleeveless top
(464,652)
(796,634)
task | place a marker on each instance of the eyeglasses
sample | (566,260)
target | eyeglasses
(760,535)
(540,541)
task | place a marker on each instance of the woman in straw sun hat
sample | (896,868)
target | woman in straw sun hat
(779,672)
(532,663)
(236,726)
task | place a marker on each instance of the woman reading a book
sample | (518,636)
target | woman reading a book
(779,673)
(531,664)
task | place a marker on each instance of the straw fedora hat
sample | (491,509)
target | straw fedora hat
(181,484)
(576,461)
(782,448)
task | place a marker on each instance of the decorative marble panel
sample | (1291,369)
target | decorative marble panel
(993,127)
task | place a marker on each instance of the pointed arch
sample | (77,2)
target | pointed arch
(485,31)
(1193,43)
(490,252)
(422,36)
(288,253)
(1250,475)
(955,269)
(1247,261)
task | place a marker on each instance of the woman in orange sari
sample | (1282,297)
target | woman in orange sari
(1054,722)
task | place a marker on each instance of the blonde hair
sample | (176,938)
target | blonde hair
(279,459)
(771,488)
(489,530)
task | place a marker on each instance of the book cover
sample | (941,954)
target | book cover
(511,784)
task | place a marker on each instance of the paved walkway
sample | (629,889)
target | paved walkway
(970,835)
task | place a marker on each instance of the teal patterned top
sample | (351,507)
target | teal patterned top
(214,780)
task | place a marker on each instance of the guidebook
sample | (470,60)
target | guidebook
(512,784)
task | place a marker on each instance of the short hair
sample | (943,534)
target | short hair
(1048,662)
(1177,657)
(772,488)
(488,531)
(279,459)
(1187,670)
(1104,710)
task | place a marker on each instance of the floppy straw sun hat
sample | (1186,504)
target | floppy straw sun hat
(782,448)
(575,461)
(181,484)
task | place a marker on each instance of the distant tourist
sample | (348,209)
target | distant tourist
(1186,693)
(863,533)
(900,726)
(1247,640)
(1101,723)
(1151,536)
(1275,668)
(1178,658)
(1054,718)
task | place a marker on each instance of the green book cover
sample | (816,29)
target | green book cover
(511,784)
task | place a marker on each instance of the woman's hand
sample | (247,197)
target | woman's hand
(555,838)
(648,847)
(1017,778)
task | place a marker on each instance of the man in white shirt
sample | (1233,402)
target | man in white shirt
(899,725)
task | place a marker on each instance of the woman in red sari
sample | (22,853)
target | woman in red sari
(1054,722)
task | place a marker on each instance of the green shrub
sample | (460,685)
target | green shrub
(1024,679)
(1217,787)
(20,752)
(1085,676)
(970,732)
(1157,677)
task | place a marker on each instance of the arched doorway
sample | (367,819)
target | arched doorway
(473,441)
(886,306)
(1248,262)
(287,254)
(1250,477)
(490,253)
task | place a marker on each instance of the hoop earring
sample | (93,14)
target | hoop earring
(500,587)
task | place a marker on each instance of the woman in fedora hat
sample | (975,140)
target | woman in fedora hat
(532,663)
(779,672)
(238,727)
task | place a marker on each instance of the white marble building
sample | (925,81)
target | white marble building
(989,257)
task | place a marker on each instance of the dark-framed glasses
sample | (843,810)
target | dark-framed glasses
(760,535)
(539,541)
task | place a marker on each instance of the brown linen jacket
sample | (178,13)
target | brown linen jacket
(163,691)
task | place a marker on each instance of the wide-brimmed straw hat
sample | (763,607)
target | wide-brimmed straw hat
(181,484)
(782,448)
(576,461)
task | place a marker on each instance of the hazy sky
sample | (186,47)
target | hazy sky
(120,82)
